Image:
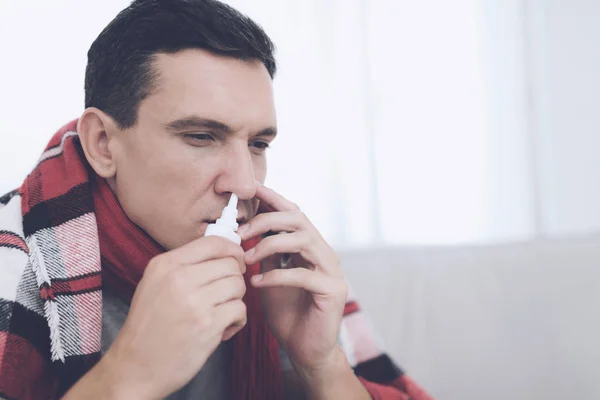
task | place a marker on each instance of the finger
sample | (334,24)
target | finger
(302,278)
(295,242)
(272,199)
(264,208)
(223,290)
(205,249)
(210,271)
(313,251)
(288,221)
(230,332)
(231,314)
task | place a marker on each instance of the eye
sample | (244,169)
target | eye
(260,145)
(199,138)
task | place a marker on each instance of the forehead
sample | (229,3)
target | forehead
(197,82)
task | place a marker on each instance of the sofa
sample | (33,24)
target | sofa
(515,321)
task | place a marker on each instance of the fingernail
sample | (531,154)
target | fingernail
(243,229)
(250,252)
(257,278)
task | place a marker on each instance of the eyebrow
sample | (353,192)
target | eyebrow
(268,132)
(198,123)
(194,122)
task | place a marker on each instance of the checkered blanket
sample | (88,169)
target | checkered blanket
(51,297)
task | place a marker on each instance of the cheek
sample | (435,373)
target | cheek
(162,170)
(259,164)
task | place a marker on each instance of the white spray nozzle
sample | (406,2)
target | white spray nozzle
(229,214)
(233,200)
(227,224)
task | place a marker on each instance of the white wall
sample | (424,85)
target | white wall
(566,76)
(43,55)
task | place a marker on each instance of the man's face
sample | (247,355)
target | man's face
(200,136)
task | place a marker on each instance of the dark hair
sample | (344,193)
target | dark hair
(120,73)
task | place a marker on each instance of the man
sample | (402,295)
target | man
(108,287)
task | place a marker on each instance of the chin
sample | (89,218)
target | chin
(200,230)
(175,242)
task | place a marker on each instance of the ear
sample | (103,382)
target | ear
(95,129)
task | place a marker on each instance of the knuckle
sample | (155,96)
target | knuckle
(188,303)
(344,289)
(241,309)
(205,320)
(235,265)
(238,253)
(307,239)
(226,248)
(303,216)
(231,248)
(257,220)
(236,287)
(155,265)
(337,260)
(263,246)
(232,264)
(220,244)
(299,218)
(241,286)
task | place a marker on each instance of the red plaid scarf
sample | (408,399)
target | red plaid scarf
(72,221)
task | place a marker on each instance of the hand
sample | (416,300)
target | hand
(188,301)
(303,303)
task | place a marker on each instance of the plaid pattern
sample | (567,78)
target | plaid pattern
(50,288)
(50,297)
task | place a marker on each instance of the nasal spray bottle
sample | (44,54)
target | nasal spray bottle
(227,224)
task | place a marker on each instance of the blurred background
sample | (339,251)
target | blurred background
(449,149)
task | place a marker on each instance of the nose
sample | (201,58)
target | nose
(237,174)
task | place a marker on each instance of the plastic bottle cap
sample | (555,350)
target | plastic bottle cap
(227,224)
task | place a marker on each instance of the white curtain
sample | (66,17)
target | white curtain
(401,121)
